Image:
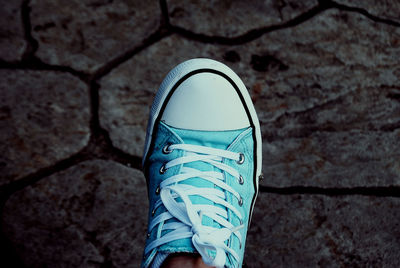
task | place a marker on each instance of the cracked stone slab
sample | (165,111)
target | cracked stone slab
(86,34)
(382,8)
(335,103)
(321,231)
(12,42)
(44,118)
(236,15)
(93,214)
(330,83)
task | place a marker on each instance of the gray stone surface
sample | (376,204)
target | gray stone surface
(326,93)
(12,43)
(333,102)
(320,231)
(93,214)
(387,9)
(340,158)
(44,118)
(231,18)
(87,34)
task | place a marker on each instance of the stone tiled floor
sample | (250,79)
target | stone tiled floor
(77,79)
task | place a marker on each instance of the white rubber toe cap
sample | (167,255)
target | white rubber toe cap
(205,101)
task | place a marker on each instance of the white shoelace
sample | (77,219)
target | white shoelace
(205,239)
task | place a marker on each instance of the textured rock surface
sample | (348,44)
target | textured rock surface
(89,215)
(236,14)
(332,102)
(320,231)
(12,43)
(323,104)
(384,8)
(87,34)
(326,90)
(334,159)
(44,118)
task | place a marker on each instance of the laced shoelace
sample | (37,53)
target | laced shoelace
(209,241)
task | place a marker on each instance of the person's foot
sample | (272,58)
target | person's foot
(202,162)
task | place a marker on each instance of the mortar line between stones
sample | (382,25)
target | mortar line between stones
(153,38)
(29,61)
(35,64)
(94,108)
(365,13)
(7,190)
(256,33)
(100,146)
(31,44)
(158,35)
(87,153)
(164,13)
(316,106)
(388,191)
(251,34)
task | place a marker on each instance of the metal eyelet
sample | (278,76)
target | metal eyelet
(158,190)
(163,169)
(166,149)
(241,180)
(241,159)
(148,235)
(240,202)
(153,212)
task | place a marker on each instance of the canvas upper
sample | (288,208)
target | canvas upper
(202,161)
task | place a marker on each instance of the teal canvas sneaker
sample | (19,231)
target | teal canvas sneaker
(202,162)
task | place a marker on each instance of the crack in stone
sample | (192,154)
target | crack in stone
(94,107)
(8,252)
(316,106)
(99,147)
(251,34)
(34,63)
(393,96)
(164,13)
(32,44)
(389,191)
(256,33)
(390,127)
(8,189)
(158,35)
(97,4)
(362,12)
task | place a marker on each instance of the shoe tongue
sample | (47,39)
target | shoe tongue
(213,139)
